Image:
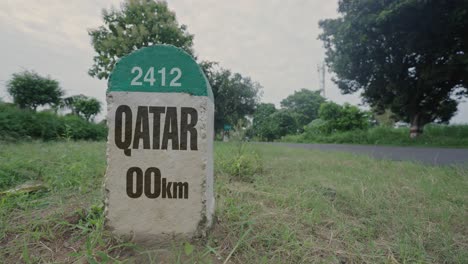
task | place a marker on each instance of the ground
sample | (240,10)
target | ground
(274,205)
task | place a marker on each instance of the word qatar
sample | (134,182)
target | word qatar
(129,134)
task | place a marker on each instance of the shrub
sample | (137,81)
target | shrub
(239,161)
(342,118)
(78,128)
(317,127)
(434,135)
(242,166)
(16,124)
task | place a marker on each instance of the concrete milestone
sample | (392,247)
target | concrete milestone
(159,179)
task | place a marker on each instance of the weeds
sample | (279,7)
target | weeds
(245,164)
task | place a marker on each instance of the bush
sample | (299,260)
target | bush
(242,166)
(434,135)
(16,124)
(78,128)
(239,161)
(317,127)
(342,118)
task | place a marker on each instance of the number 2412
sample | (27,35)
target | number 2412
(149,76)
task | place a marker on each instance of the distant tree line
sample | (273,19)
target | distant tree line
(407,57)
(29,90)
(22,120)
(304,111)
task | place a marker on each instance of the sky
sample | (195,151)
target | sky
(274,42)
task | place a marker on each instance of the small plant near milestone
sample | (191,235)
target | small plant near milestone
(241,162)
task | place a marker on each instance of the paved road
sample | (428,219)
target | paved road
(433,156)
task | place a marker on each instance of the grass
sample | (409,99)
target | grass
(433,136)
(303,206)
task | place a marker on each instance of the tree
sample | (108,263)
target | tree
(286,123)
(384,118)
(408,56)
(305,103)
(83,106)
(270,124)
(235,96)
(30,90)
(138,24)
(341,118)
(263,125)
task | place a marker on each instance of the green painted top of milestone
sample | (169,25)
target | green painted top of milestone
(159,69)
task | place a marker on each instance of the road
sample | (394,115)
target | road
(432,156)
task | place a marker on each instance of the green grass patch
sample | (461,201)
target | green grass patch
(303,206)
(434,136)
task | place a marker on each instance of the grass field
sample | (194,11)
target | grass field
(291,206)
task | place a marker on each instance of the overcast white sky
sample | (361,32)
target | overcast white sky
(274,42)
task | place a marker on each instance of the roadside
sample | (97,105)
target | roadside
(291,205)
(427,155)
(453,136)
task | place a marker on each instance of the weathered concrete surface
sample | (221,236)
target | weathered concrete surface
(160,220)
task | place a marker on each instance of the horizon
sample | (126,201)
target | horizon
(282,57)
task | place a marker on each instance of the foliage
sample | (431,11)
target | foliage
(270,124)
(18,124)
(284,122)
(434,136)
(138,24)
(305,103)
(317,127)
(297,110)
(30,90)
(235,96)
(385,118)
(263,126)
(83,106)
(245,163)
(342,118)
(408,56)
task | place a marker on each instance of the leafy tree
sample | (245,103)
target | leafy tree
(275,125)
(235,96)
(305,103)
(138,24)
(83,106)
(263,125)
(384,118)
(317,127)
(286,123)
(408,56)
(30,90)
(341,118)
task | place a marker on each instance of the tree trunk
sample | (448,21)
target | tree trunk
(417,126)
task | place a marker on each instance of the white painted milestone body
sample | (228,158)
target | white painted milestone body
(159,179)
